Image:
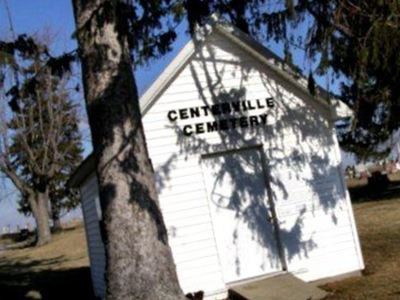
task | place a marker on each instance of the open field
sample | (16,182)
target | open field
(378,224)
(60,270)
(394,176)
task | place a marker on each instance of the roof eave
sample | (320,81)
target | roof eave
(151,95)
(84,170)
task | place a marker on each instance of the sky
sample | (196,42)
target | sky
(36,16)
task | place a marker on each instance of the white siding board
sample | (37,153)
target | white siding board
(185,98)
(182,237)
(310,199)
(173,215)
(202,272)
(198,264)
(176,199)
(194,228)
(183,198)
(89,192)
(193,189)
(190,239)
(194,194)
(170,163)
(191,178)
(194,221)
(183,191)
(349,206)
(197,245)
(203,253)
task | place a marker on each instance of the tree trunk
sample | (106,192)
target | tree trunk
(56,223)
(139,259)
(55,216)
(41,215)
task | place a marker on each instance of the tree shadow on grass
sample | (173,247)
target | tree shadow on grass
(24,279)
(378,187)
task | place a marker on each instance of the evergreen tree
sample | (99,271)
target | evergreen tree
(357,40)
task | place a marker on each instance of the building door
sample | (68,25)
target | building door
(242,219)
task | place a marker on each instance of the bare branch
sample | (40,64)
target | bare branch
(16,180)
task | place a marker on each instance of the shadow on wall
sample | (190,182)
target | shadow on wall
(301,166)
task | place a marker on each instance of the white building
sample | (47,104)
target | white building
(247,167)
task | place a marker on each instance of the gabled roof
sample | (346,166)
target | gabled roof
(252,47)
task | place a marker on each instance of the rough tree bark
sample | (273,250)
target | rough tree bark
(38,202)
(39,205)
(139,259)
(42,219)
(57,226)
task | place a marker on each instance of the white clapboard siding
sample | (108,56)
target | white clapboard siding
(296,126)
(90,208)
(302,164)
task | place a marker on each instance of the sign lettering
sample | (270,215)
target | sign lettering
(231,114)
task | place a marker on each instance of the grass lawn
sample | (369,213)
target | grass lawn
(378,224)
(60,270)
(394,176)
